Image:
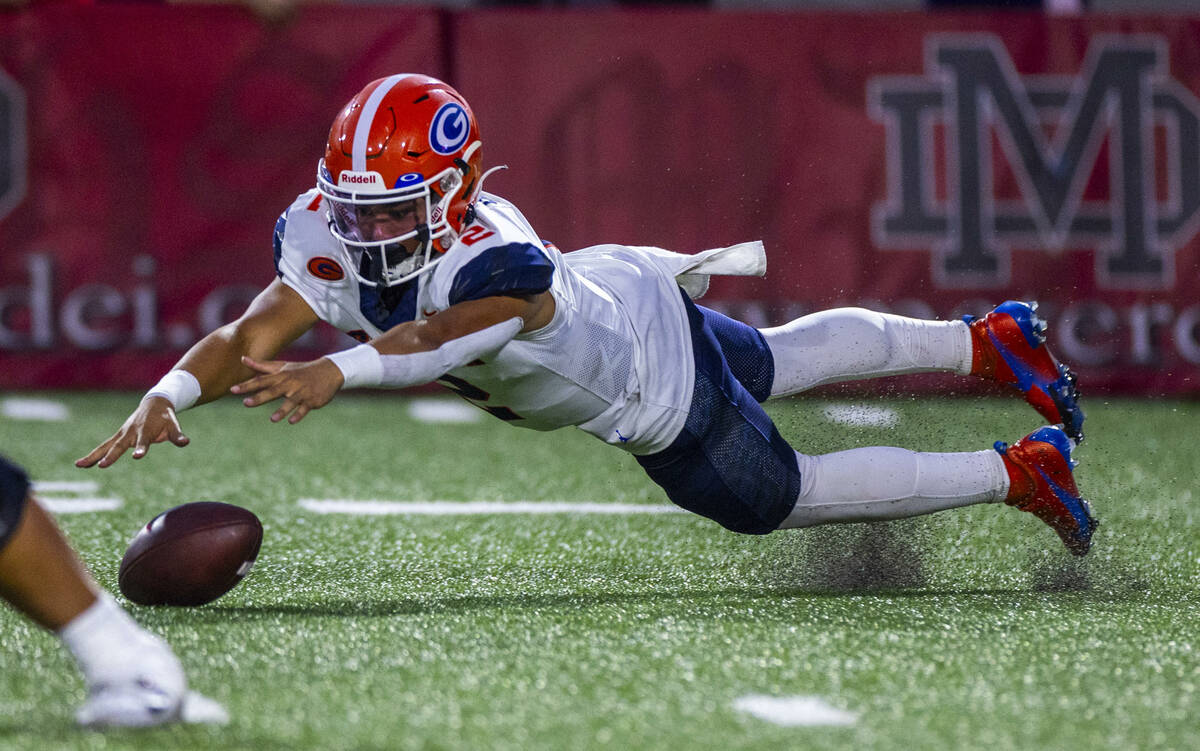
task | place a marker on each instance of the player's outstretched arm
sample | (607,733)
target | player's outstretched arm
(276,318)
(410,354)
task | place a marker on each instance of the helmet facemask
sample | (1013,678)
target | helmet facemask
(389,235)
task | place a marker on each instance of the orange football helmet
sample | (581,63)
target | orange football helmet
(401,170)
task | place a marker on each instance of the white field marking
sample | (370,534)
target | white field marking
(66,486)
(79,505)
(198,708)
(443,411)
(449,508)
(40,410)
(794,711)
(861,415)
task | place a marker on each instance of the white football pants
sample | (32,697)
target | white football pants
(878,483)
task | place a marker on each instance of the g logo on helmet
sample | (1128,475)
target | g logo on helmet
(449,129)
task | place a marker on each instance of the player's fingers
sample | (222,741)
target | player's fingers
(299,414)
(266,366)
(96,453)
(175,433)
(141,443)
(258,383)
(249,385)
(287,406)
(114,453)
(265,392)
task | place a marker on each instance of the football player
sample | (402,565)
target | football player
(399,246)
(133,677)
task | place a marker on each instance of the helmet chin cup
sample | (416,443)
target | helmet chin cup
(370,261)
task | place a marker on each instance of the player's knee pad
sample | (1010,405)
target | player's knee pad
(14,489)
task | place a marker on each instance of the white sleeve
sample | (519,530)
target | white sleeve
(364,366)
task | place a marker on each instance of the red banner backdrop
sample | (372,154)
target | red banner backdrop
(925,164)
(161,145)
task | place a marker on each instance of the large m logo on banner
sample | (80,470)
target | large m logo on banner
(1051,130)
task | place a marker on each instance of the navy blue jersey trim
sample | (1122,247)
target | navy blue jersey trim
(280,228)
(391,307)
(515,270)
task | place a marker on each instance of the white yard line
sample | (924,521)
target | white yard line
(443,411)
(861,415)
(795,711)
(199,709)
(448,508)
(40,410)
(66,486)
(79,505)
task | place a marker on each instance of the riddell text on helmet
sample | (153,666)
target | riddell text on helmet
(360,178)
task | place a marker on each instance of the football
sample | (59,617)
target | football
(190,555)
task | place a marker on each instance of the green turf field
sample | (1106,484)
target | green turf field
(970,629)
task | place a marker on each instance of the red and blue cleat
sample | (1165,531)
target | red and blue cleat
(1041,482)
(1009,345)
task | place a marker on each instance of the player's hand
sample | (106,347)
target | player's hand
(153,421)
(304,386)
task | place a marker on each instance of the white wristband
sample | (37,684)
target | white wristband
(179,387)
(360,366)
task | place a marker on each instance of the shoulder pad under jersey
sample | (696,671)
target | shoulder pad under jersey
(493,256)
(308,259)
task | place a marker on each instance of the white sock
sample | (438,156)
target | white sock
(847,344)
(102,638)
(878,483)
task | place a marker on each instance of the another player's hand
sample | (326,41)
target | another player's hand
(304,386)
(153,421)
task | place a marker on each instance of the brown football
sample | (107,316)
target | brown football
(190,555)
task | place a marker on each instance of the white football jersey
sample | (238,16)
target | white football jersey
(615,360)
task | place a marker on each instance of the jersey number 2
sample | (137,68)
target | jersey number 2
(474,234)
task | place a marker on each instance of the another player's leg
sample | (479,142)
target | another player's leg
(878,484)
(40,575)
(133,677)
(1009,346)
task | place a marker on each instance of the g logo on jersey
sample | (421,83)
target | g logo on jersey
(326,268)
(449,129)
